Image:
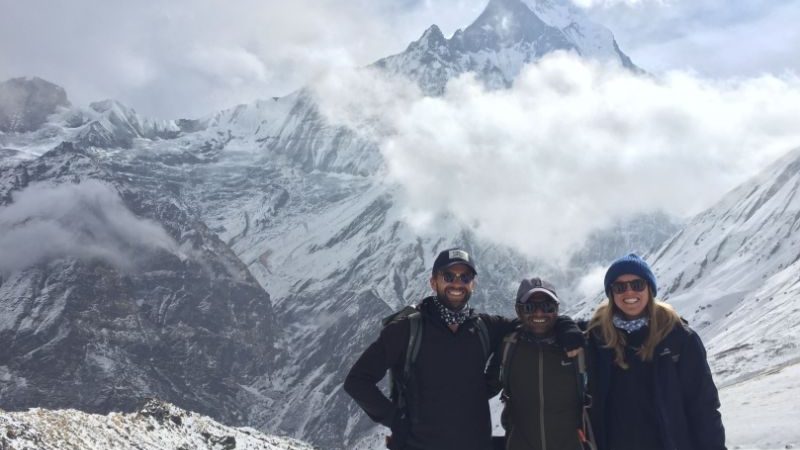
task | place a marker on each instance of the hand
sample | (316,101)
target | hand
(401,428)
(575,352)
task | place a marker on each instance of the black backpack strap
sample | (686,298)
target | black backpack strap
(401,381)
(414,340)
(509,344)
(403,385)
(483,334)
(585,432)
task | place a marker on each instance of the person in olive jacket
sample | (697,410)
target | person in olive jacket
(543,405)
(651,385)
(448,406)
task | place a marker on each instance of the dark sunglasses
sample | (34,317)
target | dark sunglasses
(531,307)
(465,278)
(620,287)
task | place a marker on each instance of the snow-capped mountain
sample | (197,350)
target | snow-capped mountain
(505,37)
(112,289)
(285,246)
(157,425)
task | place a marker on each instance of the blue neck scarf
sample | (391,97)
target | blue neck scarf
(629,326)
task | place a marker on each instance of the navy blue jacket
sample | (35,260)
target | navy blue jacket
(686,399)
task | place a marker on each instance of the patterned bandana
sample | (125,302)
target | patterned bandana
(630,326)
(452,317)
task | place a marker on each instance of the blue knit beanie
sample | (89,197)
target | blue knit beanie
(630,264)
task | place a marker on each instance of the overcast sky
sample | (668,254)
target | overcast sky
(189,58)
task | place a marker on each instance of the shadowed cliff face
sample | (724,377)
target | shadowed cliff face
(25,103)
(185,322)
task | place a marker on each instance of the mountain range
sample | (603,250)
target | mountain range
(235,265)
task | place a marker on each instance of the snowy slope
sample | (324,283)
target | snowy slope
(761,412)
(734,273)
(155,426)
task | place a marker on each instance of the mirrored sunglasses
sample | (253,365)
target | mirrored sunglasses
(465,278)
(530,307)
(620,287)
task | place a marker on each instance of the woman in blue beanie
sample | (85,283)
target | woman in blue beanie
(650,381)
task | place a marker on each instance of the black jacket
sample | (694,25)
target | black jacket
(450,409)
(685,397)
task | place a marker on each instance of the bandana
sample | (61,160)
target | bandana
(630,326)
(452,317)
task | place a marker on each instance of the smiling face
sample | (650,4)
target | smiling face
(630,302)
(538,314)
(450,287)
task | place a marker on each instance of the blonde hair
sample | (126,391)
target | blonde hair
(662,319)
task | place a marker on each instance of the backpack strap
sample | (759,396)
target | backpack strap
(414,341)
(401,381)
(585,432)
(509,344)
(483,334)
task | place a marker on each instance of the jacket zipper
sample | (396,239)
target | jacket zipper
(541,397)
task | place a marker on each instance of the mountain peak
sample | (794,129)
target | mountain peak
(506,21)
(26,102)
(433,33)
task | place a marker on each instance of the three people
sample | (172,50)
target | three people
(649,378)
(651,385)
(445,403)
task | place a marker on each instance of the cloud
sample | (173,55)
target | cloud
(570,148)
(587,286)
(191,58)
(85,221)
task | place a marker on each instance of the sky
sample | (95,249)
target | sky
(187,59)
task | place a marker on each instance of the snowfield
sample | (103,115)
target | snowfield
(156,426)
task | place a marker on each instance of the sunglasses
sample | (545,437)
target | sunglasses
(620,287)
(531,307)
(465,278)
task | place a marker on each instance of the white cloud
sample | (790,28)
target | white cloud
(86,221)
(571,147)
(588,284)
(190,58)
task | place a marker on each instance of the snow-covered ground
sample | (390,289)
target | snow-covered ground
(157,426)
(761,412)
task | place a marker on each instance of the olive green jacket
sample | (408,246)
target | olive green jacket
(542,406)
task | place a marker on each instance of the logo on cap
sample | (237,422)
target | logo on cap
(458,254)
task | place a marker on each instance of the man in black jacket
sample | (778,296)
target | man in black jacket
(447,399)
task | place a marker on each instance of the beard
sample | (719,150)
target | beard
(455,306)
